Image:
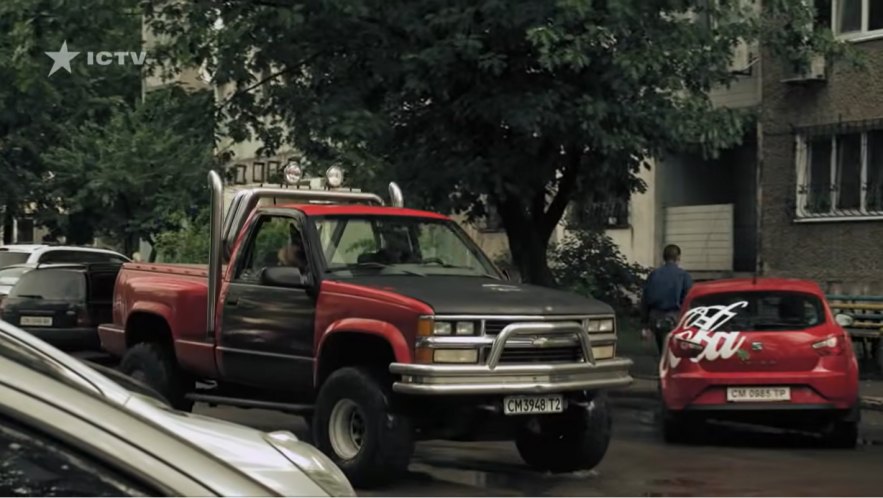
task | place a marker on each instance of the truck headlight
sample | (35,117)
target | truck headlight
(427,327)
(600,325)
(455,356)
(312,462)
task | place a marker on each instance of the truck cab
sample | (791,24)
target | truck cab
(382,325)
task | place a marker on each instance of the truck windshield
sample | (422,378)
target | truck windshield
(397,245)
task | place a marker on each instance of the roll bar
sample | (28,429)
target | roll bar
(225,229)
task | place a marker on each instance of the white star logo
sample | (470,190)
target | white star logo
(61,59)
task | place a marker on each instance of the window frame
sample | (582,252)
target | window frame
(863,34)
(803,163)
(245,251)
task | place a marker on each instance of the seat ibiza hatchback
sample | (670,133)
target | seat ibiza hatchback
(765,351)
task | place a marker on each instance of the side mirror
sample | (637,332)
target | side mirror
(283,276)
(844,320)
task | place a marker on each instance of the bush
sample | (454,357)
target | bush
(589,263)
(189,244)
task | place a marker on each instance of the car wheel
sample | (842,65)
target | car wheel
(355,426)
(574,440)
(154,365)
(842,434)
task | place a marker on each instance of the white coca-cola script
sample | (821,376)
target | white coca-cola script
(701,326)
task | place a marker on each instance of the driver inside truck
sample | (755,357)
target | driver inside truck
(292,253)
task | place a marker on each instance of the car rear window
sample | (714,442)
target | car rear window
(9,276)
(9,258)
(767,310)
(51,284)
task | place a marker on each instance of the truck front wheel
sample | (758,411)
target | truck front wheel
(574,440)
(355,426)
(155,366)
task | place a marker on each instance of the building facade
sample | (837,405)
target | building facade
(822,162)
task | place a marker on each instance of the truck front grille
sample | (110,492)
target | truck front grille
(567,354)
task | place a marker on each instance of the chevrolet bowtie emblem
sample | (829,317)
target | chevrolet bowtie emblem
(539,342)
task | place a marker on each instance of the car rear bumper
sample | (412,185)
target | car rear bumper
(67,339)
(427,379)
(817,389)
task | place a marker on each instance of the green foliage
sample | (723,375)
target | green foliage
(188,244)
(37,111)
(590,263)
(135,175)
(523,104)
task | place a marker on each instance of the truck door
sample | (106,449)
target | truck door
(266,337)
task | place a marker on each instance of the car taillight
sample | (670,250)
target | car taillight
(831,346)
(685,349)
(83,318)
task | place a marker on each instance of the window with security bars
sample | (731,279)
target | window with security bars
(840,175)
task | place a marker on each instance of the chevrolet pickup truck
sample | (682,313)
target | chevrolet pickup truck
(381,325)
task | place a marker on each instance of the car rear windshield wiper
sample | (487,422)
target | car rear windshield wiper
(30,296)
(373,265)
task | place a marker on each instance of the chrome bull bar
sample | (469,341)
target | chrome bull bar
(494,377)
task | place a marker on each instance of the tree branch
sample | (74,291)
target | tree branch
(267,79)
(566,187)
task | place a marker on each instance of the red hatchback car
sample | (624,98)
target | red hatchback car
(766,351)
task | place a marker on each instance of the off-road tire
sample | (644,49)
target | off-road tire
(842,434)
(574,440)
(388,440)
(154,365)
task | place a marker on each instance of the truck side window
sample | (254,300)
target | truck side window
(276,242)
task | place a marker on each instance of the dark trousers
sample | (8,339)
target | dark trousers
(661,323)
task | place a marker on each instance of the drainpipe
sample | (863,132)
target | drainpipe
(214,264)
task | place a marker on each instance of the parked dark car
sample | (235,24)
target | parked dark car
(63,304)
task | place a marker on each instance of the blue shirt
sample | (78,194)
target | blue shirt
(666,288)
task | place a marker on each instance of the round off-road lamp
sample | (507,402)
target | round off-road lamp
(293,173)
(334,176)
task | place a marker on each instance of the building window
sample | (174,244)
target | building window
(857,18)
(609,214)
(840,175)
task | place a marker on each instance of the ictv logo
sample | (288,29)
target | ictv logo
(63,57)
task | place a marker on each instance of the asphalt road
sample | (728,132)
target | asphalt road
(737,461)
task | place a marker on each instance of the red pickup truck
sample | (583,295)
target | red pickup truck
(382,325)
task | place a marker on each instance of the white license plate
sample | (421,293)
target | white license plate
(749,394)
(36,321)
(526,405)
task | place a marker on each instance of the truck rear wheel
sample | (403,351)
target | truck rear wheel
(354,425)
(574,440)
(154,365)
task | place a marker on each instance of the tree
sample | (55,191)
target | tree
(523,104)
(36,110)
(135,177)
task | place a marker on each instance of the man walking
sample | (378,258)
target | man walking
(664,293)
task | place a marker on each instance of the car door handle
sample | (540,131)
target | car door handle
(232,302)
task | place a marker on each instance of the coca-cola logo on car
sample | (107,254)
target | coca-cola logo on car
(701,326)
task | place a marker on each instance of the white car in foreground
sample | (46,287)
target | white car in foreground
(67,430)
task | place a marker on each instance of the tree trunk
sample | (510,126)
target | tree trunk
(8,223)
(528,243)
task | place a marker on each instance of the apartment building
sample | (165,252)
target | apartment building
(822,161)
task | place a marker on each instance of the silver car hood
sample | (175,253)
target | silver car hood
(242,447)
